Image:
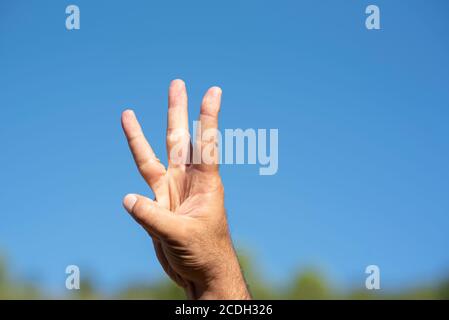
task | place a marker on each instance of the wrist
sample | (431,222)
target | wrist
(227,283)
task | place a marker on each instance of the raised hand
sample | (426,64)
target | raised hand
(187,219)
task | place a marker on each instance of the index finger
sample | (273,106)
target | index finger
(148,164)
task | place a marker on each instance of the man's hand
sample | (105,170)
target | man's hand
(187,219)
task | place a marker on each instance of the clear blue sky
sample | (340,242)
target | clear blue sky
(362,116)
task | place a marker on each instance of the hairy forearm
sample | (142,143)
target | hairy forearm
(228,285)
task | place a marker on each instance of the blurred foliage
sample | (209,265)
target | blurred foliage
(309,283)
(11,288)
(163,289)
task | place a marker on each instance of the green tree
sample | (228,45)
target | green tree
(310,284)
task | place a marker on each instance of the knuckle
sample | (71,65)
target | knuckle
(146,165)
(140,211)
(177,135)
(147,208)
(136,138)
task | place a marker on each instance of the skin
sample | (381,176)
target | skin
(187,220)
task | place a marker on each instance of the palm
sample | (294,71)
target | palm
(192,193)
(188,187)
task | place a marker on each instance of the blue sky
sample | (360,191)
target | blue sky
(362,116)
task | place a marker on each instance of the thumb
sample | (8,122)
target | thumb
(156,219)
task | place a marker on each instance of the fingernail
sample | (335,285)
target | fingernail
(128,114)
(129,202)
(177,83)
(216,91)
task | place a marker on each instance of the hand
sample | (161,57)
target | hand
(187,219)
